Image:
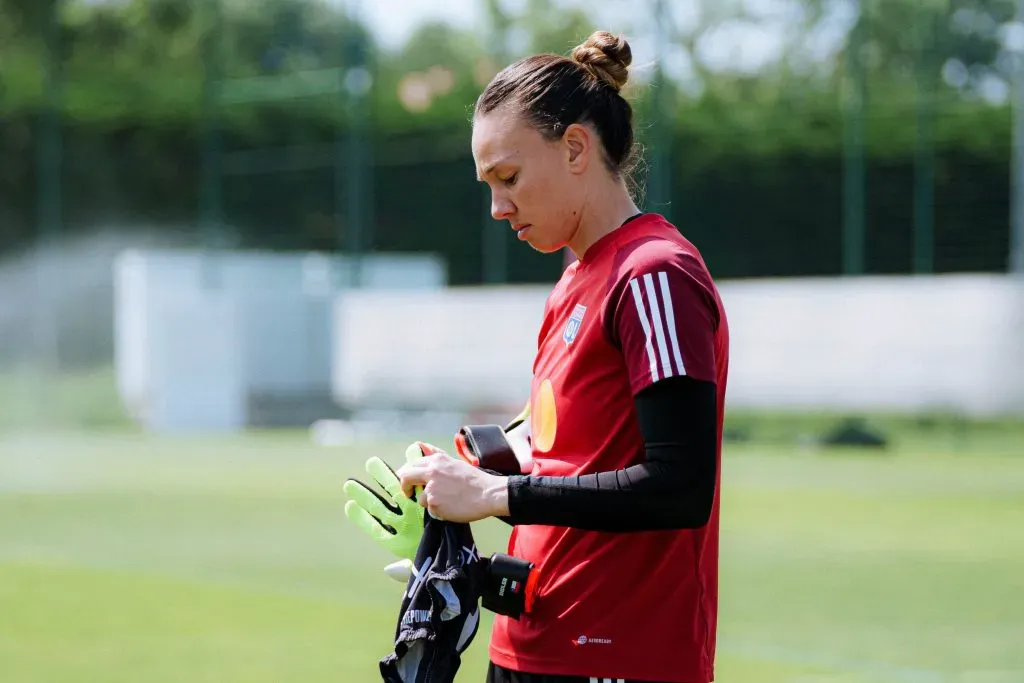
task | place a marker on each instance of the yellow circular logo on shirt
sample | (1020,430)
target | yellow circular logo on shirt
(544,418)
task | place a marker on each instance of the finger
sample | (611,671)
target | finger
(386,477)
(418,450)
(366,523)
(432,509)
(429,449)
(411,476)
(413,452)
(368,499)
(429,501)
(381,472)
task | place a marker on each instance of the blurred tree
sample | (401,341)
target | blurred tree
(282,35)
(440,44)
(134,69)
(499,24)
(537,26)
(552,28)
(961,37)
(429,82)
(26,17)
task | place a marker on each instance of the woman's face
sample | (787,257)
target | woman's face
(536,184)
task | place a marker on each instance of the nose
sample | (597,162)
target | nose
(501,207)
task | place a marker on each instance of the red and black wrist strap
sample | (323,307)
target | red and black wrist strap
(509,585)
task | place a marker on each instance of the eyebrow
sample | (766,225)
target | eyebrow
(490,169)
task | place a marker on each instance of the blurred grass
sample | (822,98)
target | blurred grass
(125,557)
(83,400)
(90,400)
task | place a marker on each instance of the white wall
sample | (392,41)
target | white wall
(949,343)
(909,343)
(198,337)
(459,347)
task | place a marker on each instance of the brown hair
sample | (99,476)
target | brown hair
(555,92)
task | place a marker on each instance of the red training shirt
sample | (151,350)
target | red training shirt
(640,306)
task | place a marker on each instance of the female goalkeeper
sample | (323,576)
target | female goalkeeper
(620,512)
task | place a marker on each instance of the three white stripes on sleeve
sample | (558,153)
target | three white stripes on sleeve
(595,679)
(659,326)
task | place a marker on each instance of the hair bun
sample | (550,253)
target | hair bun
(607,57)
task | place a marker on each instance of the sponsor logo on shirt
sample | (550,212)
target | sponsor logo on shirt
(588,640)
(572,327)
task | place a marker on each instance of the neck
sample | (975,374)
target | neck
(607,208)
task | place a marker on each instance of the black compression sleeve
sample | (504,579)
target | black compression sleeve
(673,489)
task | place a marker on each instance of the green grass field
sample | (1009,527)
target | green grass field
(125,558)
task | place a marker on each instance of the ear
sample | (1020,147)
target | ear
(578,142)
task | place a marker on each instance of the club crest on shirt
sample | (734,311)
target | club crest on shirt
(572,327)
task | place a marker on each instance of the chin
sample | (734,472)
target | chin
(545,248)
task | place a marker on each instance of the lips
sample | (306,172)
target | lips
(521,230)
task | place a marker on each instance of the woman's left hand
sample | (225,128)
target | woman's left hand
(454,490)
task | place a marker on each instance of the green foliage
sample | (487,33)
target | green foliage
(145,60)
(136,90)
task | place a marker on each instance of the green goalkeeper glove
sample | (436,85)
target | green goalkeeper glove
(392,520)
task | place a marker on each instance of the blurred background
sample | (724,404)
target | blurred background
(301,149)
(242,247)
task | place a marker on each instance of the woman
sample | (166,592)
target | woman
(620,512)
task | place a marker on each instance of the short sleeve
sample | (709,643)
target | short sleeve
(664,322)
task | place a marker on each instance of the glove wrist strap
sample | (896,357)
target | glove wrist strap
(509,585)
(487,447)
